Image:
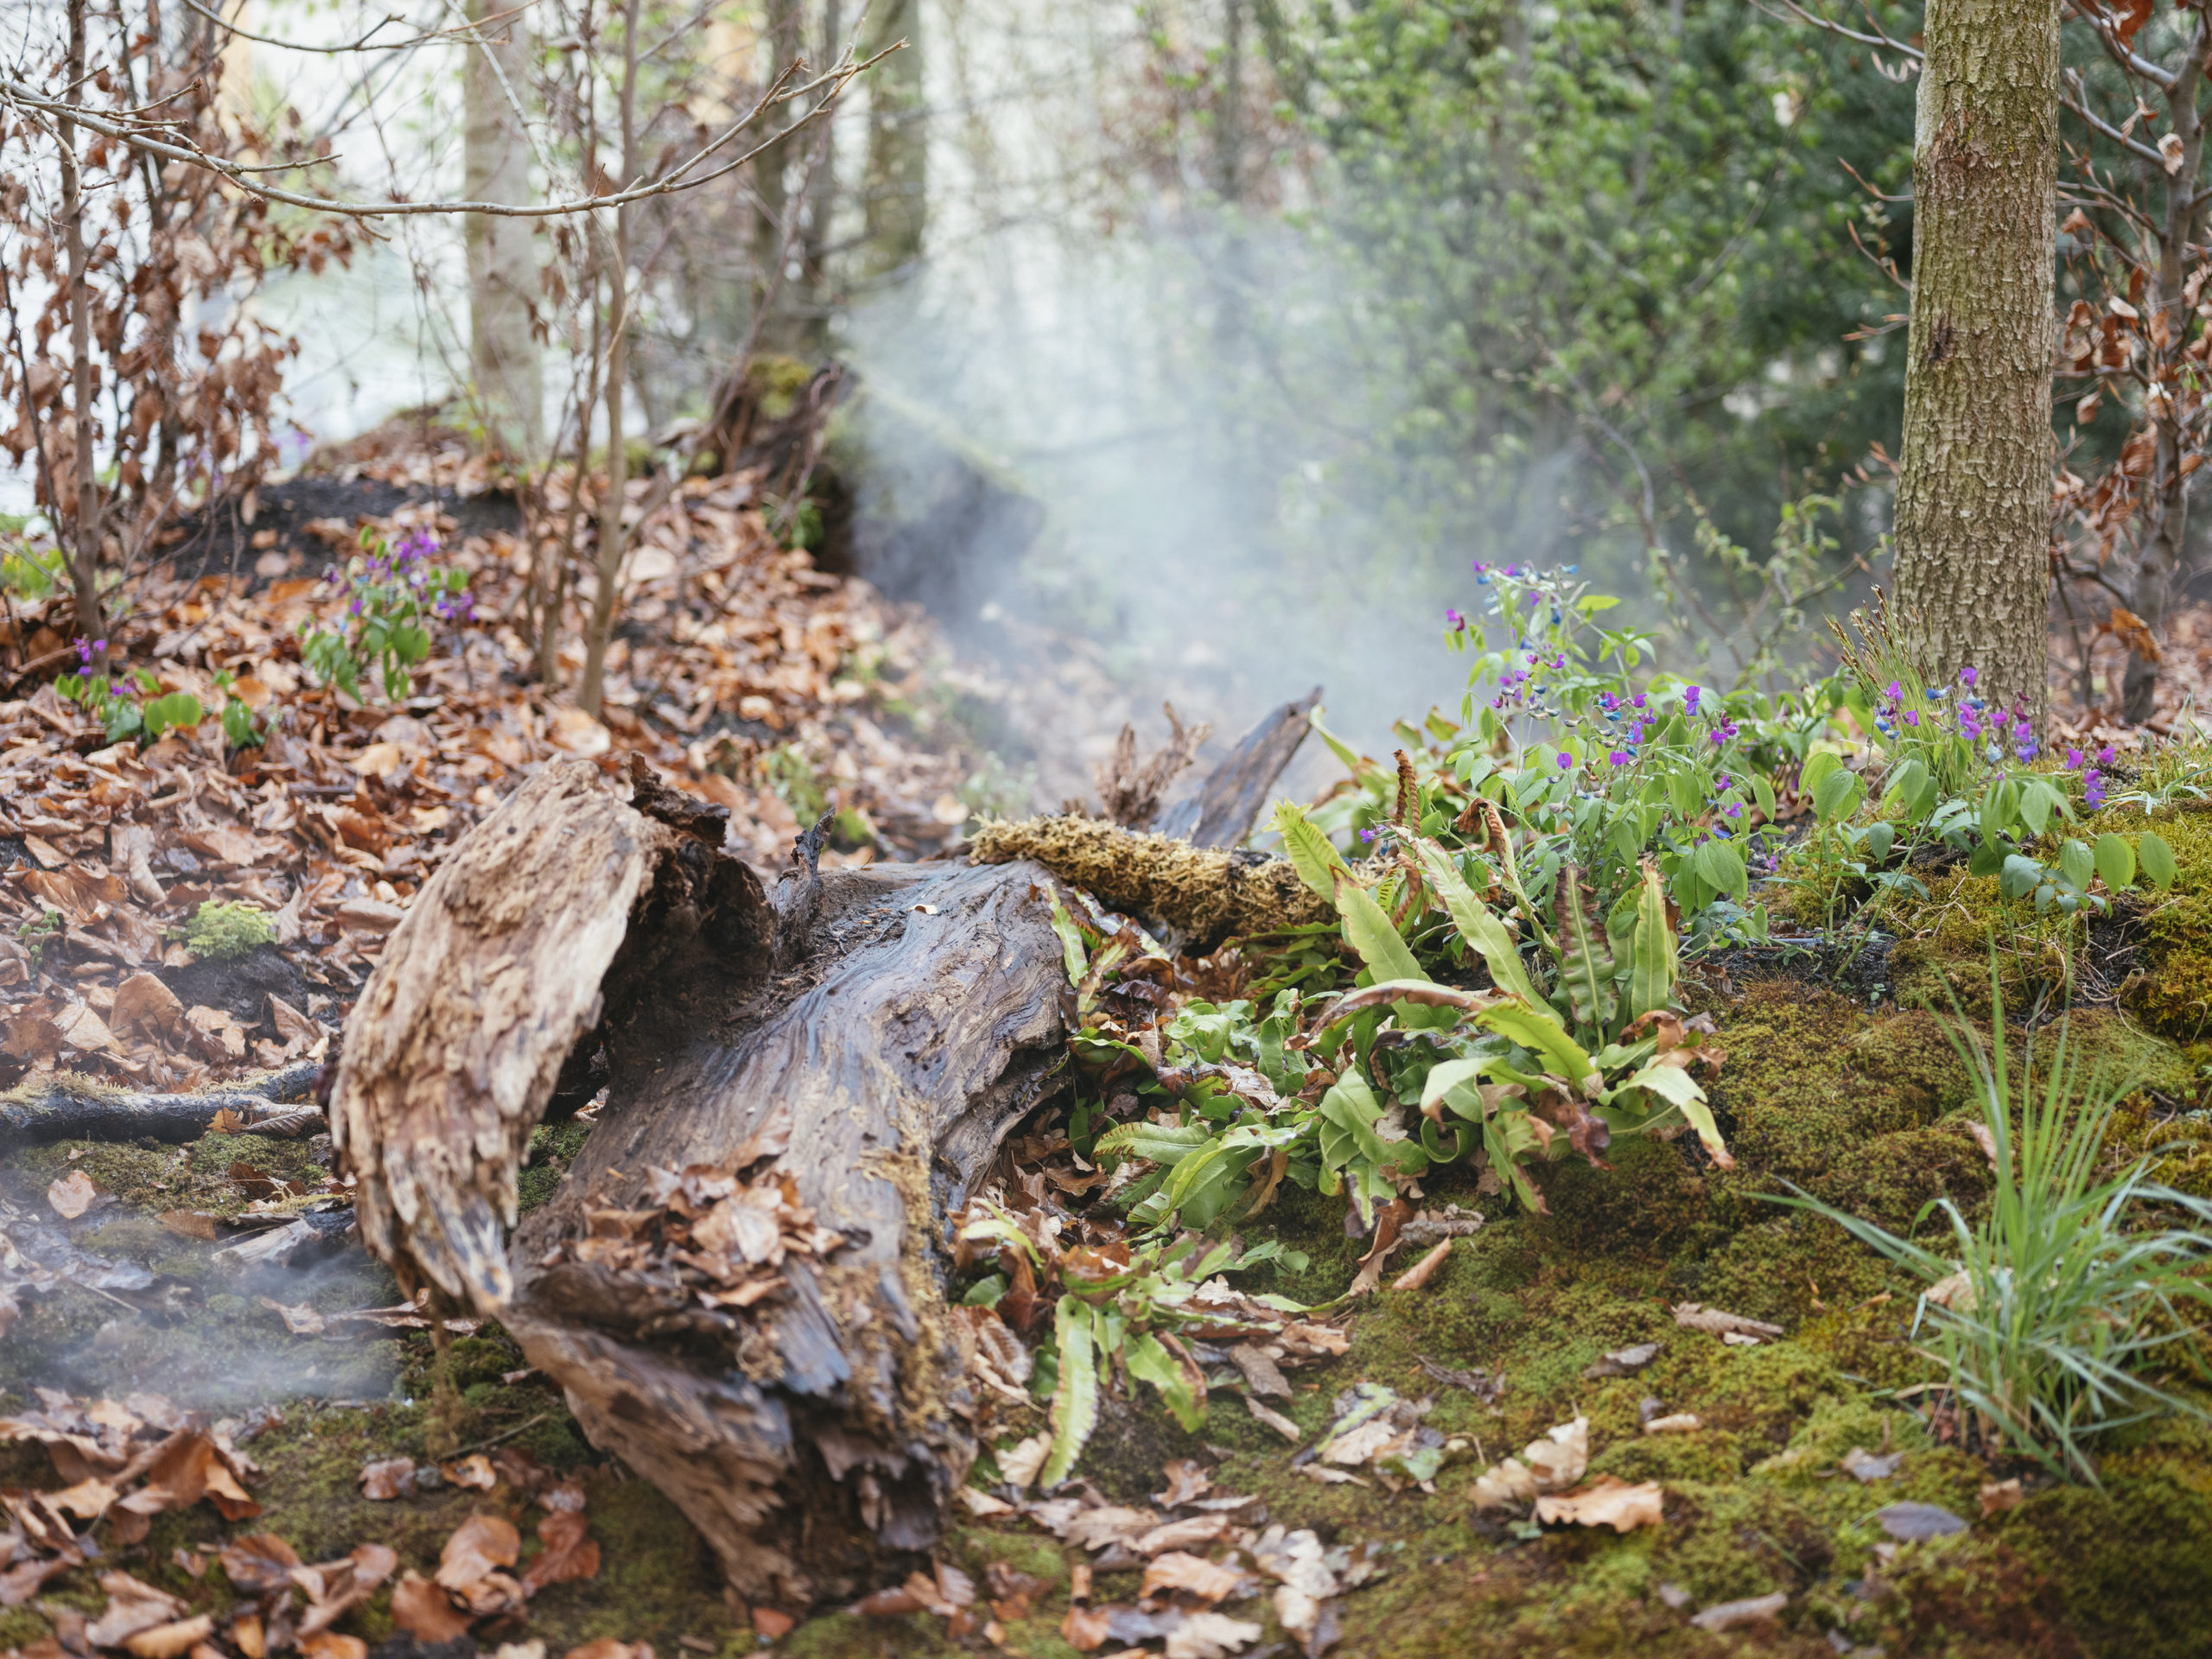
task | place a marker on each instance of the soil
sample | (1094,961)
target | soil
(242,987)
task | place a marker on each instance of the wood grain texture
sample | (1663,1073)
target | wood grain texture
(900,1018)
(1224,809)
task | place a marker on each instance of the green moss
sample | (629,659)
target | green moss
(223,931)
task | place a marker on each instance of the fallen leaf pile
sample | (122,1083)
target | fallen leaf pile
(708,1234)
(1200,1551)
(124,1462)
(1548,1472)
(739,671)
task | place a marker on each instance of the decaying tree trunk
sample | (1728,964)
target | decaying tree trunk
(859,1041)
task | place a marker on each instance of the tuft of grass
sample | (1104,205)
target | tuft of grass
(2047,1314)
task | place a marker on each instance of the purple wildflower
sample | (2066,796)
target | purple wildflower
(2093,791)
(2105,755)
(1968,676)
(1566,760)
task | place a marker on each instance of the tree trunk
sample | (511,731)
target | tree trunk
(502,252)
(771,232)
(860,1042)
(84,505)
(2162,550)
(1973,485)
(897,185)
(592,694)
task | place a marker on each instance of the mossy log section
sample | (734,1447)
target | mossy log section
(1206,894)
(69,1108)
(900,1017)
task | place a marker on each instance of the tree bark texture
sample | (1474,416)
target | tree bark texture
(873,1033)
(502,252)
(896,188)
(786,27)
(1974,481)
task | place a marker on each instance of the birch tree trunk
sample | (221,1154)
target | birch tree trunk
(502,253)
(1974,484)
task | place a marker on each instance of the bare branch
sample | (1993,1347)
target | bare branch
(366,43)
(2134,146)
(1821,20)
(2129,61)
(678,178)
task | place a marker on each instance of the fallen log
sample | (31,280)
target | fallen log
(63,1107)
(842,1056)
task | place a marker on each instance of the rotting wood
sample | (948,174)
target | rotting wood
(1222,810)
(883,1026)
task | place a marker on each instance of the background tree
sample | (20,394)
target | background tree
(1973,482)
(503,283)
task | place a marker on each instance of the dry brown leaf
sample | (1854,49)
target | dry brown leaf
(71,1195)
(387,1479)
(132,1607)
(773,1624)
(1423,1270)
(1274,1420)
(260,1563)
(478,1545)
(569,1553)
(169,1641)
(1692,1316)
(1191,1575)
(1020,1462)
(472,1473)
(1188,1482)
(1734,1615)
(1999,1495)
(330,1645)
(1606,1502)
(192,1224)
(146,1009)
(300,1320)
(1262,1374)
(421,1609)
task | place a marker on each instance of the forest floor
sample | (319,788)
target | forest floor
(236,1390)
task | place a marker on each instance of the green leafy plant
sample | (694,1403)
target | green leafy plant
(1590,767)
(138,708)
(2048,1315)
(392,594)
(1121,1306)
(1359,1093)
(124,714)
(37,931)
(32,574)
